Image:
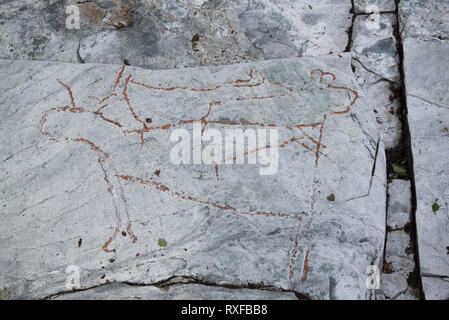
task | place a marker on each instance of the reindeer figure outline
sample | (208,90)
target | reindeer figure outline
(113,178)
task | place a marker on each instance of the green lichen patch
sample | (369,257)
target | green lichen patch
(435,207)
(162,242)
(399,169)
(5,294)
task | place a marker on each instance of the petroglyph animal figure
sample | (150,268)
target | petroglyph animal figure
(118,130)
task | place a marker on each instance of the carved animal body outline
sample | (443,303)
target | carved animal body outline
(113,178)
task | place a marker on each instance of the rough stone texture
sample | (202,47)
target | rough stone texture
(398,252)
(367,6)
(118,291)
(398,264)
(428,117)
(375,62)
(395,287)
(85,170)
(173,34)
(424,18)
(375,48)
(436,288)
(399,204)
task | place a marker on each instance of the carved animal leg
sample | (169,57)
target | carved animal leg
(119,202)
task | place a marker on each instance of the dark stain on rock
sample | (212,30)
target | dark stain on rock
(387,268)
(384,46)
(332,285)
(212,4)
(122,15)
(92,12)
(310,19)
(195,39)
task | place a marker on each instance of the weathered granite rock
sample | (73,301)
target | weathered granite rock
(422,18)
(426,82)
(172,33)
(375,62)
(373,6)
(86,178)
(176,292)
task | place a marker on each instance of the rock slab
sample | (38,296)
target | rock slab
(173,33)
(428,117)
(87,182)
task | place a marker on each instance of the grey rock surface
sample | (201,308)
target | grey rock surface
(86,179)
(428,117)
(375,63)
(424,18)
(173,34)
(375,46)
(398,252)
(436,288)
(399,204)
(373,6)
(395,287)
(119,291)
(399,262)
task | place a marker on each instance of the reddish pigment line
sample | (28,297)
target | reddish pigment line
(72,100)
(182,195)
